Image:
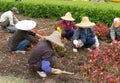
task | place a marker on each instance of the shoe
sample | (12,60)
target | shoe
(42,74)
(18,51)
(89,49)
(75,50)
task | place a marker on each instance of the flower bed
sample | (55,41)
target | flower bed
(103,65)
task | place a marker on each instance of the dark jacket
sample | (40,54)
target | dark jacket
(19,36)
(80,34)
(42,51)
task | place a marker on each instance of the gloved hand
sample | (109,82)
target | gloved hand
(56,71)
(59,29)
(78,43)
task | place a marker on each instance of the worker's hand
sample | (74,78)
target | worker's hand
(56,71)
(78,43)
(59,29)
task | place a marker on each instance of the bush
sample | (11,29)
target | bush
(96,11)
(101,30)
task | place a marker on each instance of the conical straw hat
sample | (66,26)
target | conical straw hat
(85,23)
(68,17)
(55,37)
(25,25)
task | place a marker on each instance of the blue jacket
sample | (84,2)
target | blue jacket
(81,34)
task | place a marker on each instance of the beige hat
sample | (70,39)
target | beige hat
(55,37)
(25,25)
(68,17)
(85,23)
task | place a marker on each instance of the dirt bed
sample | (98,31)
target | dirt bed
(18,65)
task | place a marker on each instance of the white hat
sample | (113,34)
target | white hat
(116,20)
(68,17)
(55,37)
(25,25)
(85,23)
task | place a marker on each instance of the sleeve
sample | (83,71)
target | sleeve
(31,33)
(79,35)
(31,38)
(74,26)
(92,32)
(46,66)
(76,34)
(16,20)
(11,19)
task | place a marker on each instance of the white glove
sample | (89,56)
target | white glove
(78,43)
(75,42)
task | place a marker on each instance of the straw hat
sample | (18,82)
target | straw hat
(25,25)
(85,23)
(68,17)
(55,37)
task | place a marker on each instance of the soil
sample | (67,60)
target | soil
(18,65)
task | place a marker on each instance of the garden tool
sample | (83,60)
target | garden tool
(58,71)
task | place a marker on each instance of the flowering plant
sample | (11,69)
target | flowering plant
(101,30)
(103,65)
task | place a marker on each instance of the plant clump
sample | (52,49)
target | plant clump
(103,65)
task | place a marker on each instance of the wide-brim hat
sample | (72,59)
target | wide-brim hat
(85,23)
(25,25)
(15,10)
(68,17)
(55,37)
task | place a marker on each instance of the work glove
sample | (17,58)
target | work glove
(78,43)
(59,29)
(56,71)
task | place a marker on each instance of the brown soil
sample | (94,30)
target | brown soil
(18,66)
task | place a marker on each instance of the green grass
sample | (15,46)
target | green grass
(10,79)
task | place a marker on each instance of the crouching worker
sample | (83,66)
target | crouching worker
(66,26)
(22,38)
(8,20)
(115,29)
(84,36)
(44,54)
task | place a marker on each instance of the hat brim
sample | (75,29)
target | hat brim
(68,19)
(52,40)
(85,25)
(25,25)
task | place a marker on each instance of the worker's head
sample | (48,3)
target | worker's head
(14,10)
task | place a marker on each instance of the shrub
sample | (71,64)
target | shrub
(101,30)
(96,11)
